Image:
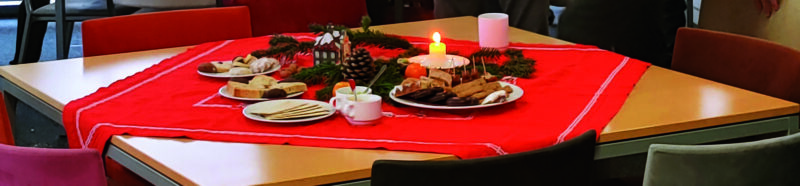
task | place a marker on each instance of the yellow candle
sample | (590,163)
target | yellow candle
(437,52)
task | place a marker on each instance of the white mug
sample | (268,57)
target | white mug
(493,30)
(366,111)
(342,93)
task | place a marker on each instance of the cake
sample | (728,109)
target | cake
(292,87)
(239,71)
(263,81)
(207,68)
(263,64)
(222,66)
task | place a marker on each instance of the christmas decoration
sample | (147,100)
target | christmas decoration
(328,46)
(359,66)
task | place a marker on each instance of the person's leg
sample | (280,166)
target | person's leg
(455,8)
(531,15)
(33,46)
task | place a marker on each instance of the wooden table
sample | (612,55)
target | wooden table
(664,107)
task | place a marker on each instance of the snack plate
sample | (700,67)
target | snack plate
(223,91)
(516,94)
(279,103)
(453,61)
(228,75)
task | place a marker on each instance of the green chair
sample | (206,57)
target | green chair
(771,162)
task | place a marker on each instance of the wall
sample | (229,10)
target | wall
(742,17)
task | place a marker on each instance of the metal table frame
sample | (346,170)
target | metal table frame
(789,123)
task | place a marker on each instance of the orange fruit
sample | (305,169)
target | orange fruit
(415,70)
(339,85)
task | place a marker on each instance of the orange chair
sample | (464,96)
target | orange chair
(750,63)
(164,29)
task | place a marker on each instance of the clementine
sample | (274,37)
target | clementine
(339,85)
(415,70)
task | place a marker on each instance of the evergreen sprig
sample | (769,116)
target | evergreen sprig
(278,40)
(486,54)
(377,38)
(318,28)
(320,73)
(284,46)
(411,52)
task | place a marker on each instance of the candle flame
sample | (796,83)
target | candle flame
(437,37)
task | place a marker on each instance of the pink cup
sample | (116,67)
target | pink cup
(493,30)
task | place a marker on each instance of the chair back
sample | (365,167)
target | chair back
(164,29)
(766,162)
(275,17)
(643,30)
(750,63)
(567,163)
(39,166)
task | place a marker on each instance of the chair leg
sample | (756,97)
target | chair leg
(60,31)
(24,44)
(68,26)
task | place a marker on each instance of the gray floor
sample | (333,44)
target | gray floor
(8,33)
(38,130)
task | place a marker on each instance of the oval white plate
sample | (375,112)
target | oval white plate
(511,98)
(228,75)
(455,61)
(278,103)
(223,91)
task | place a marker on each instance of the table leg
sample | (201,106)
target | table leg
(794,125)
(141,169)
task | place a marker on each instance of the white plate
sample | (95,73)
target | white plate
(453,61)
(223,91)
(516,94)
(228,75)
(278,103)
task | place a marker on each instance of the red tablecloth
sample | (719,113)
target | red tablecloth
(575,88)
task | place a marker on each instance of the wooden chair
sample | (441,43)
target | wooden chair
(567,163)
(766,162)
(65,14)
(164,29)
(750,63)
(40,166)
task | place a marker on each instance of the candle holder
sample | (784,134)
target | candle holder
(451,61)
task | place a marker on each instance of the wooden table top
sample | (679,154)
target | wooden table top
(663,101)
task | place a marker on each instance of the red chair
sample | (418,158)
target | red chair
(164,29)
(6,136)
(282,16)
(750,63)
(39,166)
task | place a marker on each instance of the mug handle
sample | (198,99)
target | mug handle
(333,103)
(348,110)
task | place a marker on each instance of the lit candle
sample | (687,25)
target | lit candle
(437,55)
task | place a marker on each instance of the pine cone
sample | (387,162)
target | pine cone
(359,65)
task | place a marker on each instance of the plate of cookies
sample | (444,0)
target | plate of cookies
(261,88)
(438,92)
(288,111)
(239,67)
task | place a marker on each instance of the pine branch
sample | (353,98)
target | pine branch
(486,53)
